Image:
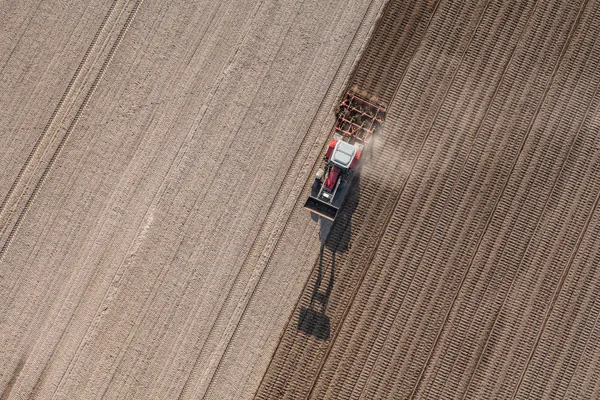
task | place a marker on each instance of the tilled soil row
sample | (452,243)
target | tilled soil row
(432,286)
(421,318)
(347,254)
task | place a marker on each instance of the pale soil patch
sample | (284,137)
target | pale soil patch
(129,253)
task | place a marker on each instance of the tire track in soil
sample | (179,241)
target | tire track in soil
(65,137)
(165,186)
(73,123)
(64,140)
(38,148)
(56,111)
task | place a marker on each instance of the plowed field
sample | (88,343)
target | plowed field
(155,157)
(466,268)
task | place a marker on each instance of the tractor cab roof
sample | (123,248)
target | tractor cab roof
(343,154)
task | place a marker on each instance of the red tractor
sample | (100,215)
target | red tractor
(357,120)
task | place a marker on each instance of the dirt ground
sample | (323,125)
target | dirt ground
(151,152)
(466,265)
(155,156)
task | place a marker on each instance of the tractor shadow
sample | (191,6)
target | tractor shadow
(335,239)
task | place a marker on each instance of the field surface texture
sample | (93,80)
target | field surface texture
(465,263)
(150,152)
(155,157)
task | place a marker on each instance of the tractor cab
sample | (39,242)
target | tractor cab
(343,154)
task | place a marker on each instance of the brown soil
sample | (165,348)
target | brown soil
(465,270)
(154,162)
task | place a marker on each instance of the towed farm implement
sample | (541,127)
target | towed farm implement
(358,118)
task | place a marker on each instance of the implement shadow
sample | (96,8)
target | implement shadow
(335,238)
